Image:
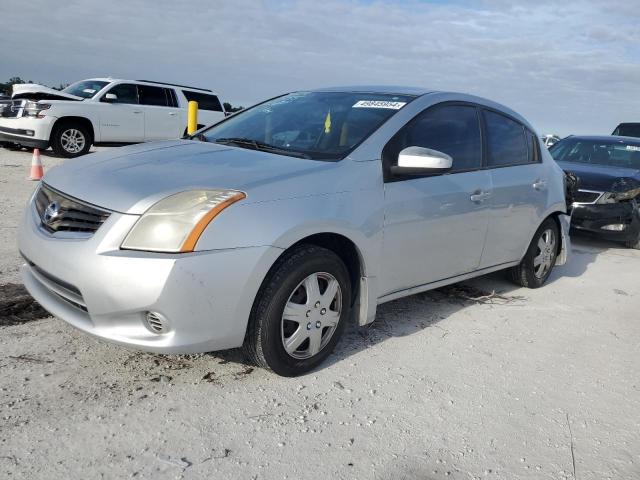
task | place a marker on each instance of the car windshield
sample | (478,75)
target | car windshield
(628,130)
(86,88)
(315,125)
(615,153)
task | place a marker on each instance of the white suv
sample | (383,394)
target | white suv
(102,110)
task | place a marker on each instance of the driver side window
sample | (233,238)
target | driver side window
(450,129)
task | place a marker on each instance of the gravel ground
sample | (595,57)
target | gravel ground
(539,384)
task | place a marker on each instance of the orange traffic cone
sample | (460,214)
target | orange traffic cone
(36,166)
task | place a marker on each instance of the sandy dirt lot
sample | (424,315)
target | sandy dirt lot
(540,384)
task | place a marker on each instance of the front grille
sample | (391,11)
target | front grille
(586,196)
(59,213)
(14,109)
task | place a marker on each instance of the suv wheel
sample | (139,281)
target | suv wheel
(70,139)
(536,266)
(300,311)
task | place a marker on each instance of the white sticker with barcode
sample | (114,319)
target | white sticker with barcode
(379,104)
(633,148)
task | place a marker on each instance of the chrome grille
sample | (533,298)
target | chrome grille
(586,196)
(14,109)
(69,214)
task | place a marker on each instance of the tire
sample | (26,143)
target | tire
(71,139)
(544,246)
(635,244)
(306,327)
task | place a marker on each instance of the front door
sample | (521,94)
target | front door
(121,118)
(435,226)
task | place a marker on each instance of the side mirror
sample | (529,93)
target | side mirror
(421,161)
(110,97)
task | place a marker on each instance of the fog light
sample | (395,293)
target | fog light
(156,323)
(614,227)
(30,133)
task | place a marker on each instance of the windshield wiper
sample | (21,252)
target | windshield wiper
(257,145)
(201,137)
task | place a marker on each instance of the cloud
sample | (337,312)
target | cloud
(569,68)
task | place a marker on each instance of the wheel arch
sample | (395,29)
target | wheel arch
(73,118)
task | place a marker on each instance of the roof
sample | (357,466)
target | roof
(389,89)
(607,138)
(150,82)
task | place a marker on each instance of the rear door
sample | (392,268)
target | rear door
(161,115)
(121,119)
(519,188)
(435,226)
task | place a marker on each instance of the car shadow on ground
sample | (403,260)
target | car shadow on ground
(415,313)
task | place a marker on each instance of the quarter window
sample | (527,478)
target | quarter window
(451,129)
(205,101)
(506,142)
(125,93)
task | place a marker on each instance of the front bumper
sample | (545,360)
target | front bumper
(591,218)
(27,131)
(206,297)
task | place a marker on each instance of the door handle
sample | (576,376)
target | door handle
(479,196)
(539,184)
(137,111)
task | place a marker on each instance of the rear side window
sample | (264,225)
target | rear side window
(125,93)
(533,148)
(451,129)
(506,142)
(205,100)
(153,96)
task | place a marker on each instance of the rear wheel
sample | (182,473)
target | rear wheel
(71,139)
(300,312)
(536,266)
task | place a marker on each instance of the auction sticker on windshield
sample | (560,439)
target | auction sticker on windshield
(379,104)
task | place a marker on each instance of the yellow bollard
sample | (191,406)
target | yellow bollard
(192,117)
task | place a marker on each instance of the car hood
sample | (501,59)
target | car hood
(34,91)
(131,179)
(603,178)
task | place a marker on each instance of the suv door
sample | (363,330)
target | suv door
(161,115)
(121,119)
(433,228)
(519,188)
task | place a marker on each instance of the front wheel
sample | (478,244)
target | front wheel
(634,243)
(300,311)
(70,139)
(536,266)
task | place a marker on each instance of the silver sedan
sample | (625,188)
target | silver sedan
(275,227)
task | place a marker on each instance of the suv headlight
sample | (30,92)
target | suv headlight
(175,223)
(35,109)
(619,196)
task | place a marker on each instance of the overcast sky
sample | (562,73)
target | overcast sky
(569,67)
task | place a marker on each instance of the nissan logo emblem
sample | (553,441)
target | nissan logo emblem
(51,212)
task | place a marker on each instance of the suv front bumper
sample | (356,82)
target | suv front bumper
(27,131)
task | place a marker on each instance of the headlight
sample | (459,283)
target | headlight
(35,109)
(619,196)
(175,223)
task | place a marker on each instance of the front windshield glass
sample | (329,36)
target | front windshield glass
(86,88)
(316,125)
(615,153)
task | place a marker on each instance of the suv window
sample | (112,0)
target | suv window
(205,101)
(152,95)
(126,93)
(451,129)
(506,142)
